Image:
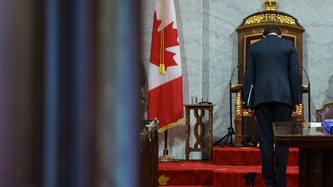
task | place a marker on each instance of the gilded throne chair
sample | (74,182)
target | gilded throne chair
(250,31)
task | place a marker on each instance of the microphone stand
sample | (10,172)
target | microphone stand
(307,77)
(230,128)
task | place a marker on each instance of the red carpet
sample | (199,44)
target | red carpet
(246,156)
(230,167)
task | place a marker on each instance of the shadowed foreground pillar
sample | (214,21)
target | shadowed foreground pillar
(118,97)
(20,94)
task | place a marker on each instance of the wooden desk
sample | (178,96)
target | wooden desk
(315,151)
(148,155)
(199,129)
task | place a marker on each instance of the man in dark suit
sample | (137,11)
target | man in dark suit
(272,68)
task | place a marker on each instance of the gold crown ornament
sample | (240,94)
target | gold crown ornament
(270,4)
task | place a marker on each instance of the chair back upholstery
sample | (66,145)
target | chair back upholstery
(326,112)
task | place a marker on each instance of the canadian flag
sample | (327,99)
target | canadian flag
(165,93)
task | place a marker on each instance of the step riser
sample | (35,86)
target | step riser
(187,177)
(230,167)
(238,179)
(245,156)
(222,177)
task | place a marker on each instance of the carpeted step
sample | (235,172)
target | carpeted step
(230,166)
(240,176)
(185,173)
(202,173)
(245,156)
(187,186)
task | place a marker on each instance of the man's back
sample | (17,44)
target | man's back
(273,59)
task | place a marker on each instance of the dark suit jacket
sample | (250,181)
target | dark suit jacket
(272,67)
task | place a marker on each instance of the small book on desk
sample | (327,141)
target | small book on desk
(249,102)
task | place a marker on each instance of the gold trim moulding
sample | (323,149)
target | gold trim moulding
(270,17)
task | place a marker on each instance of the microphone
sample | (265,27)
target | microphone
(307,77)
(309,97)
(230,128)
(233,71)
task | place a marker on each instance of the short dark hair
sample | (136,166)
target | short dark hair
(272,29)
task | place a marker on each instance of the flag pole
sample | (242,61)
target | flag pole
(162,66)
(161,57)
(166,157)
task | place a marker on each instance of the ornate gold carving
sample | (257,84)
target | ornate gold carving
(270,17)
(261,30)
(285,32)
(236,88)
(301,109)
(256,31)
(270,4)
(305,88)
(238,104)
(246,113)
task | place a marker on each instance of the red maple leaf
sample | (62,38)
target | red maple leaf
(170,39)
